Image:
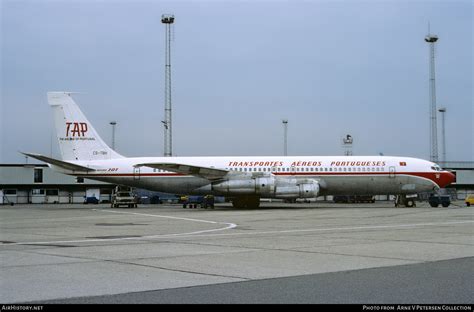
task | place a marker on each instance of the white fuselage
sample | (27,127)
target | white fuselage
(336,175)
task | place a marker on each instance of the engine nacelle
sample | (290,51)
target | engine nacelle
(269,187)
(302,190)
(262,186)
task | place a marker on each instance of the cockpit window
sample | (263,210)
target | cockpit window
(436,168)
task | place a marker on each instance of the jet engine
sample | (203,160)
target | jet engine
(263,186)
(302,190)
(269,186)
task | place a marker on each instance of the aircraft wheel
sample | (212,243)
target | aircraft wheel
(246,202)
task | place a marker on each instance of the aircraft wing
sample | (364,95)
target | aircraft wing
(59,163)
(203,172)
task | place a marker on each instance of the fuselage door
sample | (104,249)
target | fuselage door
(391,173)
(136,173)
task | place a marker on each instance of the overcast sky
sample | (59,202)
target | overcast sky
(239,67)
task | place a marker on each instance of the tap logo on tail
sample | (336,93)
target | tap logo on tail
(76,129)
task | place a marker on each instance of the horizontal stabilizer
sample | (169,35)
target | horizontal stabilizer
(203,172)
(59,163)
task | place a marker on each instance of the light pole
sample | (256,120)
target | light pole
(442,110)
(285,137)
(113,123)
(347,145)
(168,21)
(431,40)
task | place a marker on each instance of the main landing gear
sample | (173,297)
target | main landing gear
(246,202)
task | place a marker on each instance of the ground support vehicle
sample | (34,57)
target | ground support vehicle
(436,200)
(123,196)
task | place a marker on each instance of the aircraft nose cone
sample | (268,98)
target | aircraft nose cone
(448,178)
(452,177)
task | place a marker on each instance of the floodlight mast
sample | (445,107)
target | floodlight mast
(347,145)
(442,110)
(113,124)
(432,39)
(168,21)
(285,137)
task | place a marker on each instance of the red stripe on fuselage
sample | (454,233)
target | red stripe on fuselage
(133,175)
(440,178)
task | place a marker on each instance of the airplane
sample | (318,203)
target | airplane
(243,179)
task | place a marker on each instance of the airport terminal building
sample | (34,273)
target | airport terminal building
(38,184)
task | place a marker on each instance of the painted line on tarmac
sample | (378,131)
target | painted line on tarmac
(158,216)
(227,227)
(205,233)
(371,227)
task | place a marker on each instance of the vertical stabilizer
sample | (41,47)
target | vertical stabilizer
(77,138)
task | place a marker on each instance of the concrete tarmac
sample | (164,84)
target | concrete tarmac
(440,282)
(280,253)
